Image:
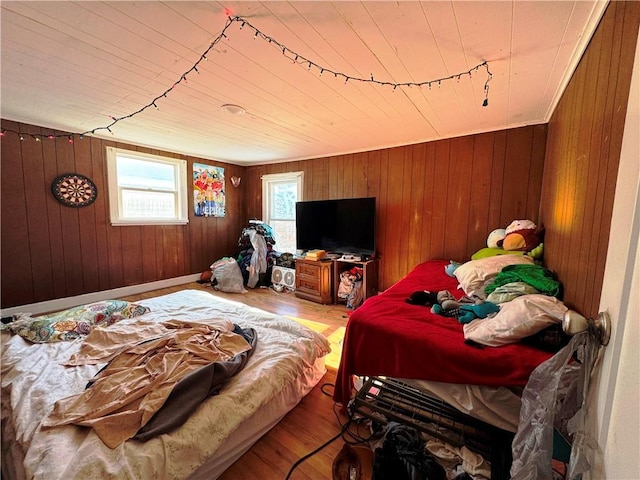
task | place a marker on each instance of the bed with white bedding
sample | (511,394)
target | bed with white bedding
(287,362)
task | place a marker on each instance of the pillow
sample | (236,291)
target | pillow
(517,319)
(474,275)
(74,322)
(492,252)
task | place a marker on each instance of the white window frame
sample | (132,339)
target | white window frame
(275,178)
(115,197)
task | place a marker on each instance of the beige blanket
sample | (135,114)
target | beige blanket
(146,360)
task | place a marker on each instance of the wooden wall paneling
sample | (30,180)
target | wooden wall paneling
(335,176)
(393,227)
(131,253)
(16,274)
(417,167)
(600,47)
(573,211)
(405,230)
(87,220)
(320,170)
(185,248)
(161,270)
(374,183)
(233,226)
(373,174)
(53,210)
(78,250)
(116,272)
(193,230)
(552,200)
(254,203)
(359,175)
(458,198)
(149,254)
(593,108)
(35,198)
(197,246)
(101,211)
(480,173)
(494,219)
(441,176)
(567,265)
(536,169)
(70,223)
(427,200)
(181,250)
(208,233)
(517,161)
(586,180)
(170,250)
(382,214)
(411,184)
(346,173)
(624,46)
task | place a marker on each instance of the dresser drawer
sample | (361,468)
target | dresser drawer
(310,271)
(314,280)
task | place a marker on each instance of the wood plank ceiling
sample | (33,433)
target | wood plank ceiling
(72,66)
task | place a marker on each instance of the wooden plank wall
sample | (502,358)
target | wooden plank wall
(434,200)
(51,251)
(583,152)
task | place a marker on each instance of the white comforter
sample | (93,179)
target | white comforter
(33,379)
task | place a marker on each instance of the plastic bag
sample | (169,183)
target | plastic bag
(555,397)
(258,263)
(228,276)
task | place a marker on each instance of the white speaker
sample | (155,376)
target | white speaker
(284,276)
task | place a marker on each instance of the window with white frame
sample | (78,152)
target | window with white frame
(146,189)
(280,192)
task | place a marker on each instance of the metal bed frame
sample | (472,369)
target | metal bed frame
(386,399)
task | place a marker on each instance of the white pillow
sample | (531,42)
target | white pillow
(474,275)
(517,319)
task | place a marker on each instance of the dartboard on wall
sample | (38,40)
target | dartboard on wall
(74,190)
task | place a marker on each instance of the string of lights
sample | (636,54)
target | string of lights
(290,54)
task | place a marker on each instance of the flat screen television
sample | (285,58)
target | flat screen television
(338,226)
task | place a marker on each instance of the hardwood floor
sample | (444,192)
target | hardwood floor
(314,420)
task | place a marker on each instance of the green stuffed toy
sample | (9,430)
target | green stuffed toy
(479,310)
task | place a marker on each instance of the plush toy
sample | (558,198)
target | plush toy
(479,310)
(495,238)
(537,252)
(423,297)
(522,235)
(451,268)
(448,306)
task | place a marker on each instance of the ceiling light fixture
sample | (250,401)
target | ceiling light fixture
(232,109)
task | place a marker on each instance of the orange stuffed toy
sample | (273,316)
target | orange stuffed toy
(522,235)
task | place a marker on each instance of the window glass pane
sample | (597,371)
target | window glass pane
(137,204)
(283,201)
(136,173)
(285,235)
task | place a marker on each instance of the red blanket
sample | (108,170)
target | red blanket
(388,337)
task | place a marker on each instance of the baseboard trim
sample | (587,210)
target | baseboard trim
(67,302)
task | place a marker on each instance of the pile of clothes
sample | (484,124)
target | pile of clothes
(257,255)
(350,287)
